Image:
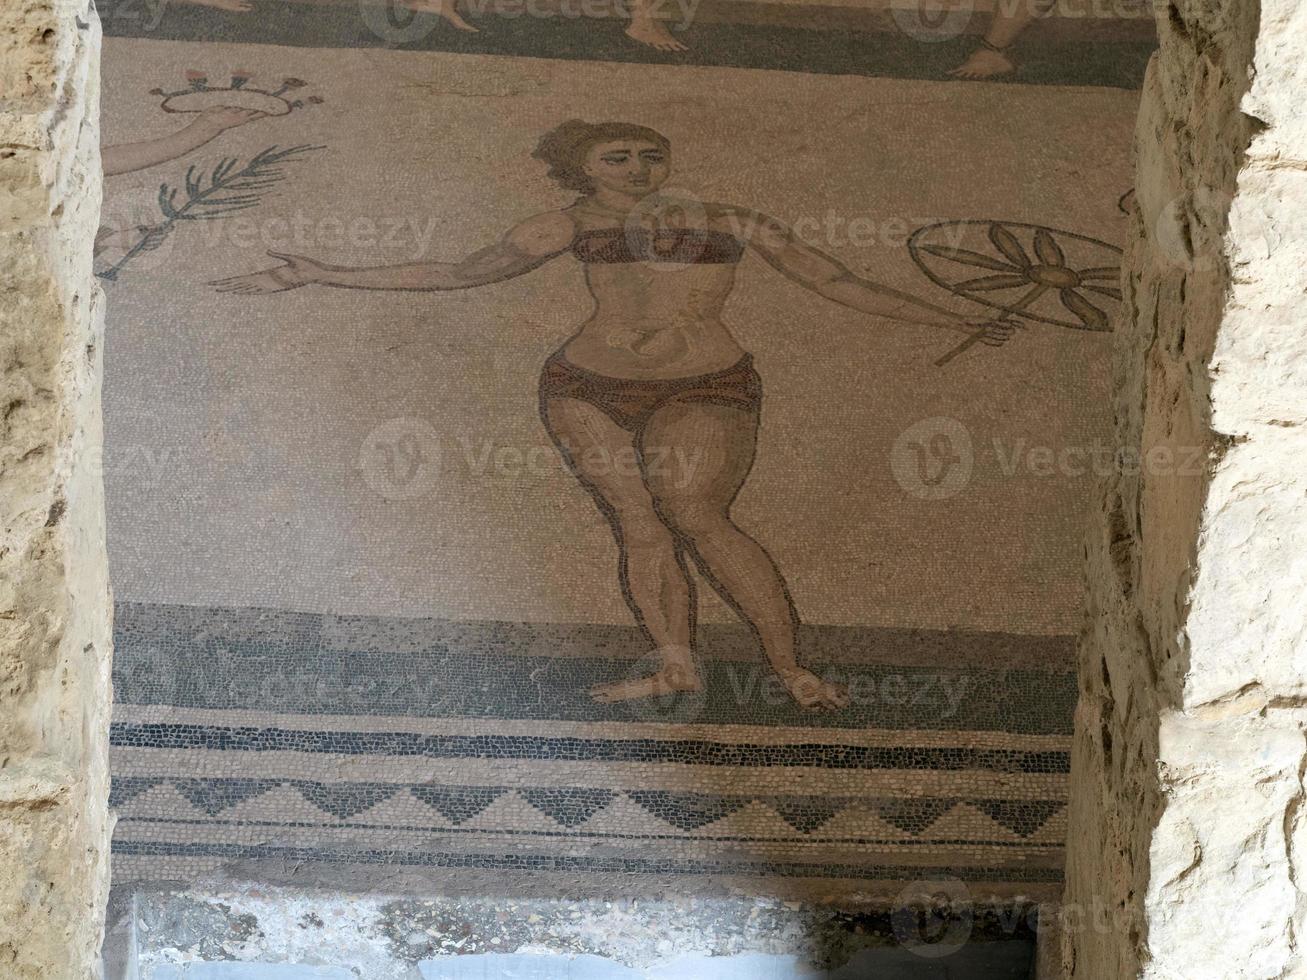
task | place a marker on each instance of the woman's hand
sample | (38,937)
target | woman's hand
(993,333)
(220,118)
(295,271)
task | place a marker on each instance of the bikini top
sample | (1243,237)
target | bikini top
(681,246)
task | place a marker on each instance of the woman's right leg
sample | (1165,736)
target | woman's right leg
(654,576)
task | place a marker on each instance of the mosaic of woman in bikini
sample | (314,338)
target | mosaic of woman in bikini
(655,374)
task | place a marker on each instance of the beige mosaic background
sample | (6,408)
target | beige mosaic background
(236,424)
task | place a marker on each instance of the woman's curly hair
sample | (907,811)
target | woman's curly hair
(564,148)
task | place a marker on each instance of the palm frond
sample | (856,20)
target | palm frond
(168,201)
(227,189)
(205,199)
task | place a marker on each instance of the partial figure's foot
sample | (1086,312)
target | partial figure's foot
(671,679)
(235,6)
(648,31)
(985,63)
(813,693)
(442,8)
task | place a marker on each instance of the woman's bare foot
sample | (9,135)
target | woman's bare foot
(442,8)
(649,31)
(813,693)
(678,677)
(985,63)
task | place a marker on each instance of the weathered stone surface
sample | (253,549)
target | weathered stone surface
(224,928)
(54,608)
(1187,836)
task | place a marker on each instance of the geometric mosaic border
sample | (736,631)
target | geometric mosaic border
(572,807)
(253,734)
(527,862)
(696,752)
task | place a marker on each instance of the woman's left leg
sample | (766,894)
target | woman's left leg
(696,457)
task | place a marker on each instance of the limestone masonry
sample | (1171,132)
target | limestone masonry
(54,595)
(1185,852)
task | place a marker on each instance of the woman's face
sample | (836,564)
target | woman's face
(632,167)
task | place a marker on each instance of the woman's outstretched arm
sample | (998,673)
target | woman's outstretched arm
(827,276)
(525,247)
(126,157)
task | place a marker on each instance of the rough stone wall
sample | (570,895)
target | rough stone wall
(54,596)
(1187,837)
